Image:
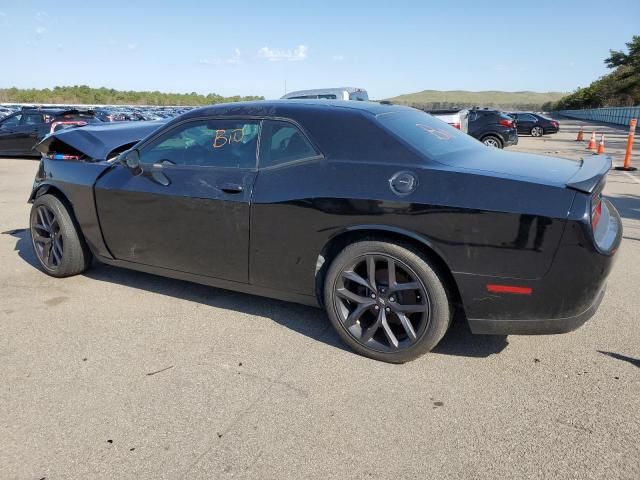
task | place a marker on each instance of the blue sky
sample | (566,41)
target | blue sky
(251,47)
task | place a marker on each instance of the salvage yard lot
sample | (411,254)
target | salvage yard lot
(119,374)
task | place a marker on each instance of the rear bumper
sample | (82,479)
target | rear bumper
(535,327)
(510,138)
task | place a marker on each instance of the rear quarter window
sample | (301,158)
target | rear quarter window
(426,134)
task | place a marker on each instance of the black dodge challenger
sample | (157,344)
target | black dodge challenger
(383,215)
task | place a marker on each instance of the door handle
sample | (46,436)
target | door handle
(232,188)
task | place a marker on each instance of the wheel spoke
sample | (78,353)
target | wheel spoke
(352,297)
(393,341)
(371,331)
(37,237)
(356,314)
(408,327)
(391,268)
(354,277)
(43,220)
(48,246)
(416,307)
(57,253)
(406,286)
(371,271)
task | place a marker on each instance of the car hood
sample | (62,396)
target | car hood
(525,166)
(97,141)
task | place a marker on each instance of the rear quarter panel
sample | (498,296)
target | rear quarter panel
(477,224)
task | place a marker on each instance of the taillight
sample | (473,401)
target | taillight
(596,210)
(456,125)
(506,123)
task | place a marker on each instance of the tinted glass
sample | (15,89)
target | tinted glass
(359,96)
(32,119)
(283,142)
(525,117)
(427,134)
(207,143)
(11,121)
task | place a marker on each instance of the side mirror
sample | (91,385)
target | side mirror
(131,160)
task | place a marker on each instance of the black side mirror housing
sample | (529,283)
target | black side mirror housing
(131,160)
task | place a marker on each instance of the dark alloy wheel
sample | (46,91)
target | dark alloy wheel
(537,131)
(57,242)
(386,302)
(47,238)
(491,141)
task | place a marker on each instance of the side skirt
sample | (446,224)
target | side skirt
(309,300)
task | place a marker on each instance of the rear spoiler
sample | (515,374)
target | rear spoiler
(592,171)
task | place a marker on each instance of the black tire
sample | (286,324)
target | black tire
(354,320)
(537,131)
(56,240)
(492,141)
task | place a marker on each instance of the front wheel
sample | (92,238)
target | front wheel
(57,243)
(537,131)
(386,301)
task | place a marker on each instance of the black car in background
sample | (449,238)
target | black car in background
(492,127)
(534,124)
(384,215)
(20,131)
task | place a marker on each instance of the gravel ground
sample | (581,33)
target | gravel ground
(118,374)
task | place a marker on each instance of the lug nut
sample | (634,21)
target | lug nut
(376,307)
(373,295)
(387,309)
(392,299)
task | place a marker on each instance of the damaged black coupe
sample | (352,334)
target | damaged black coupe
(383,215)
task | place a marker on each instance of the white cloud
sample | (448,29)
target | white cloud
(275,55)
(338,58)
(40,30)
(132,46)
(235,59)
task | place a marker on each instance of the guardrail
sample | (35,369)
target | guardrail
(615,115)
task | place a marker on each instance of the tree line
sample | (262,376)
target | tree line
(505,106)
(620,88)
(83,94)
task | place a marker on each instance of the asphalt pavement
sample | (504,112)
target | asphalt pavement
(123,375)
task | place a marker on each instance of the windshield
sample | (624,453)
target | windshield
(359,95)
(427,134)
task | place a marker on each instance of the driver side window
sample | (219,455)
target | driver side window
(206,143)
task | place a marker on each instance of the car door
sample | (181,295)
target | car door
(525,122)
(29,131)
(188,210)
(8,126)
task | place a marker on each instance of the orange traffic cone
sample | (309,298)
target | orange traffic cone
(592,142)
(580,137)
(601,145)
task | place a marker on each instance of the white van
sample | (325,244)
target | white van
(344,93)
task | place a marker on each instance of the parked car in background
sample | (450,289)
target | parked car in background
(20,131)
(381,214)
(493,128)
(5,111)
(343,93)
(457,118)
(534,124)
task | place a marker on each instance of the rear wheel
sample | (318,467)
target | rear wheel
(58,245)
(492,141)
(537,131)
(386,301)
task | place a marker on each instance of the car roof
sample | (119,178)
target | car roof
(284,108)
